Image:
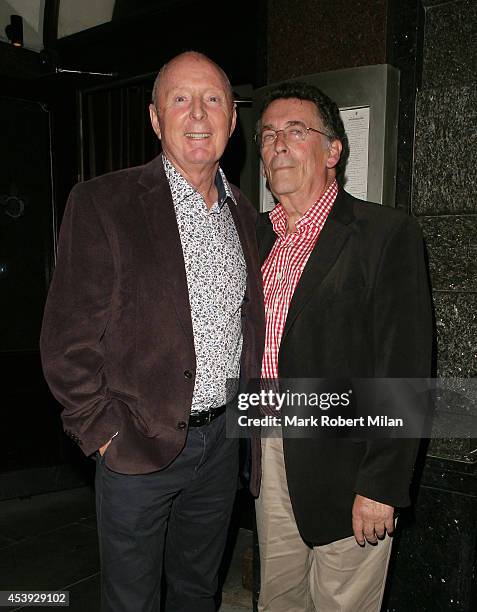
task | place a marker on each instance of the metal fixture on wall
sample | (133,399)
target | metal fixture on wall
(14,30)
(12,206)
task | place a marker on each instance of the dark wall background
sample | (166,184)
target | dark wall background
(34,454)
(25,225)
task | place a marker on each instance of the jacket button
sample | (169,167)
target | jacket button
(188,374)
(181,425)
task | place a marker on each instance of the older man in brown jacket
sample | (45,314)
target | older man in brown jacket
(156,300)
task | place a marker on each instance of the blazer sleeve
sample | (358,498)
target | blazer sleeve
(402,341)
(76,317)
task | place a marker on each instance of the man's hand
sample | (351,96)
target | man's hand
(371,520)
(103,448)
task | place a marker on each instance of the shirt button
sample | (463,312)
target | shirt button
(279,276)
(188,374)
(181,425)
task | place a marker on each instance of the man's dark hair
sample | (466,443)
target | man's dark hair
(327,110)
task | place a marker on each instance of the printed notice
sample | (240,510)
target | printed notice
(267,202)
(356,123)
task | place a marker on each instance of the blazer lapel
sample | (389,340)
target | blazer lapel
(165,239)
(266,237)
(331,240)
(244,240)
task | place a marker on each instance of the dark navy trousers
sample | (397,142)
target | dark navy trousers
(173,521)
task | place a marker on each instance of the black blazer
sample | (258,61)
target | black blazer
(361,309)
(117,343)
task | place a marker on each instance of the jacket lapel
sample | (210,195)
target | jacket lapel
(165,239)
(244,240)
(331,240)
(266,237)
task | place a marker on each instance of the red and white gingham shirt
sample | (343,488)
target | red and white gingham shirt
(283,267)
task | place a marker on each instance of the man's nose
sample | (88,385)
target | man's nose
(197,110)
(280,143)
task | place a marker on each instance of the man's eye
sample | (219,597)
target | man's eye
(180,99)
(214,99)
(268,136)
(295,132)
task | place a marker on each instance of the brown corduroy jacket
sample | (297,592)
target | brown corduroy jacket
(117,343)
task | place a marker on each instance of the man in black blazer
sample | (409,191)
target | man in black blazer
(346,296)
(155,302)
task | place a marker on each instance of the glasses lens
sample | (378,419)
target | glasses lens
(267,137)
(295,132)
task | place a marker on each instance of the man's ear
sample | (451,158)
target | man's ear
(234,120)
(334,155)
(154,120)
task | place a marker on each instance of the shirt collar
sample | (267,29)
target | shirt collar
(223,188)
(316,215)
(182,189)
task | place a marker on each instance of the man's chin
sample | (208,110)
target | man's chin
(279,188)
(200,156)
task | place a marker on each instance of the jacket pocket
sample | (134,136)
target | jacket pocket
(132,404)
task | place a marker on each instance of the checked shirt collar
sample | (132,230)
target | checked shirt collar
(316,215)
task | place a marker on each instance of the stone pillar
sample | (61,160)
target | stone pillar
(310,36)
(435,562)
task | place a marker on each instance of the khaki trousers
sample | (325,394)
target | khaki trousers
(338,577)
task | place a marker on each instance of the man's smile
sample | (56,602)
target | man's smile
(198,135)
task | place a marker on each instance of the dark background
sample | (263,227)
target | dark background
(42,157)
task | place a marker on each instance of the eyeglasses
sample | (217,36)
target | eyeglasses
(295,132)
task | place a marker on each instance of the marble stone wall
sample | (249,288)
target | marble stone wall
(444,188)
(403,51)
(304,36)
(433,568)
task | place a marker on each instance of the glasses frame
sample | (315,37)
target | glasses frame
(257,135)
